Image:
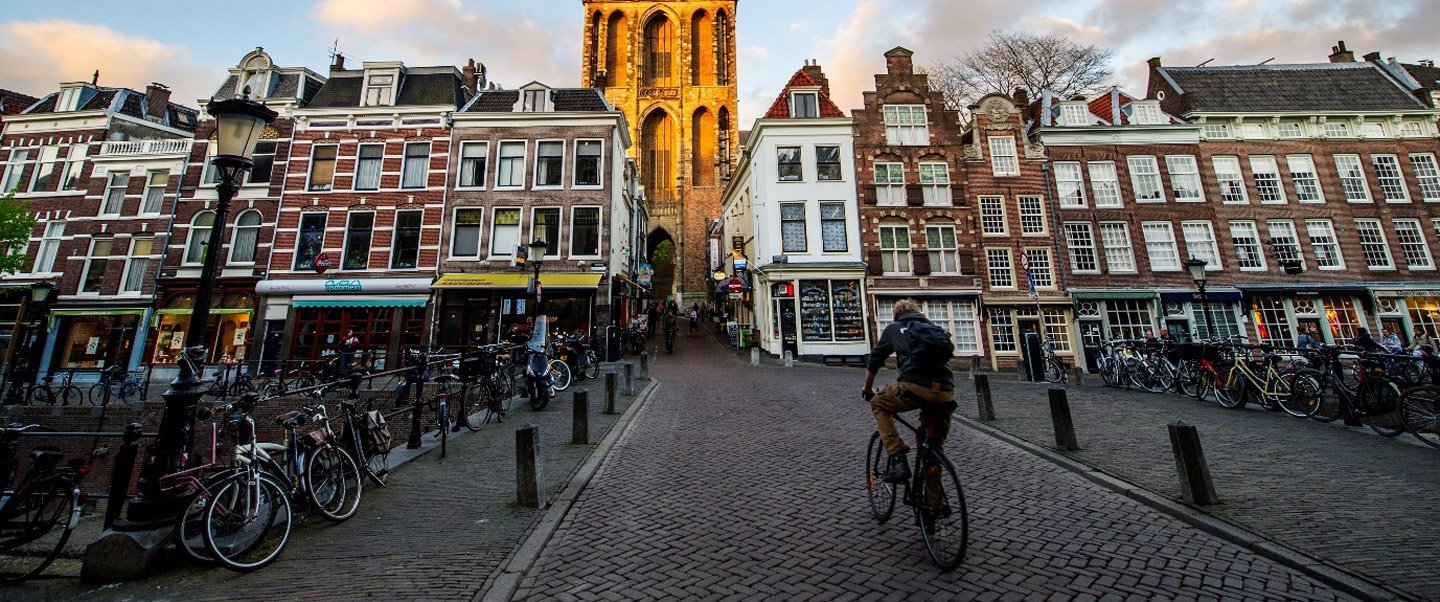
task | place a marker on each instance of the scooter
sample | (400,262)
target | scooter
(537,367)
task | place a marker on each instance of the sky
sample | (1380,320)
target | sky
(189,44)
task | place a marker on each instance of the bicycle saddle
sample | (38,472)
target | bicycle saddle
(45,453)
(289,419)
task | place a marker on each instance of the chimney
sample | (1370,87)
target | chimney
(339,64)
(468,78)
(1340,54)
(1373,57)
(1021,98)
(898,61)
(157,100)
(812,69)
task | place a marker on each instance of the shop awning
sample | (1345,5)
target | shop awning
(94,311)
(214,311)
(1217,297)
(552,281)
(1087,295)
(361,301)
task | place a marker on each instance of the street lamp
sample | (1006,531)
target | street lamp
(239,123)
(40,292)
(1197,273)
(537,259)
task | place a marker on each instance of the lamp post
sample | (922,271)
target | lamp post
(1197,273)
(537,259)
(238,125)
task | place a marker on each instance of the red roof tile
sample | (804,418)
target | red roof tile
(780,109)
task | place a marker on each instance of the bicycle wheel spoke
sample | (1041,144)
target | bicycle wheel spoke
(880,493)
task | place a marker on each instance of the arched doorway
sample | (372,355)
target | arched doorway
(657,143)
(664,255)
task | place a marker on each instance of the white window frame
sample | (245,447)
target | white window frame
(310,168)
(1070,185)
(90,258)
(1042,268)
(484,171)
(130,261)
(14,170)
(1004,156)
(900,254)
(991,269)
(235,238)
(987,205)
(804,242)
(1294,234)
(519,228)
(1265,170)
(111,188)
(1032,209)
(535,169)
(1305,178)
(1390,183)
(936,190)
(1119,248)
(902,127)
(1145,174)
(599,230)
(1248,229)
(826,222)
(1284,129)
(500,161)
(425,171)
(1200,236)
(552,250)
(1185,177)
(1230,179)
(480,241)
(795,104)
(1216,131)
(50,240)
(1427,176)
(1105,184)
(887,190)
(1351,171)
(948,255)
(599,165)
(799,163)
(1080,240)
(1337,129)
(1323,243)
(384,93)
(151,188)
(1163,253)
(74,166)
(1418,249)
(190,234)
(1372,229)
(44,167)
(360,164)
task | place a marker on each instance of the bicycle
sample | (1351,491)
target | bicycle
(247,520)
(939,510)
(1420,413)
(1374,400)
(38,516)
(365,435)
(1274,385)
(1055,371)
(115,383)
(67,392)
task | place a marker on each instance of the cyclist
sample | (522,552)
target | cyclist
(925,381)
(670,329)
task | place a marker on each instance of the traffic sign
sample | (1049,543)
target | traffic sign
(322,263)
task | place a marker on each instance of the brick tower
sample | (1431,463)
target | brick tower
(670,67)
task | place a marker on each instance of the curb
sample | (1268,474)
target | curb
(506,579)
(1315,568)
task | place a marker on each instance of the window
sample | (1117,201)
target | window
(74,163)
(198,238)
(1352,178)
(1128,318)
(379,90)
(827,164)
(1040,271)
(1184,178)
(1032,214)
(49,246)
(792,227)
(944,253)
(1413,245)
(311,240)
(1272,322)
(1427,176)
(545,227)
(1307,183)
(1003,160)
(1290,129)
(1252,131)
(264,162)
(805,105)
(358,231)
(1148,113)
(14,170)
(465,234)
(137,264)
(833,238)
(512,165)
(1411,129)
(322,168)
(1119,255)
(1372,129)
(1105,184)
(474,157)
(1002,330)
(1324,244)
(585,232)
(95,265)
(549,163)
(956,317)
(895,249)
(1200,243)
(1081,242)
(789,166)
(1217,130)
(588,155)
(1337,129)
(1145,180)
(1160,246)
(155,183)
(992,216)
(1232,182)
(1392,183)
(997,262)
(935,184)
(890,184)
(906,125)
(115,193)
(1248,252)
(504,232)
(415,173)
(367,166)
(1267,179)
(1285,241)
(44,178)
(535,101)
(1075,114)
(247,236)
(1223,317)
(405,243)
(1070,185)
(1372,242)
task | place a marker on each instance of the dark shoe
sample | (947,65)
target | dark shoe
(899,469)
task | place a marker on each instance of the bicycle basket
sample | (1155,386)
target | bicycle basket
(377,434)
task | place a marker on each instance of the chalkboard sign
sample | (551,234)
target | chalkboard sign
(732,333)
(848,310)
(815,322)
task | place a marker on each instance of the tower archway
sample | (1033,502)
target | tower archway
(617,60)
(702,49)
(702,147)
(659,55)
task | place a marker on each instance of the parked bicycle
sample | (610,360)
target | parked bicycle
(116,383)
(247,518)
(933,491)
(39,514)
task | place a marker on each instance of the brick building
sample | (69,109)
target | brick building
(357,241)
(101,167)
(537,164)
(246,247)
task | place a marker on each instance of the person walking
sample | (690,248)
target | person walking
(671,329)
(694,317)
(348,348)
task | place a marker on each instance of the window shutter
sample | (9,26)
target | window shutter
(957,194)
(868,195)
(921,261)
(914,196)
(873,264)
(967,262)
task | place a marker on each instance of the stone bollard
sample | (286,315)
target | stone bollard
(974,367)
(629,378)
(982,398)
(527,472)
(1060,418)
(1195,484)
(754,356)
(789,359)
(1079,376)
(610,387)
(1022,372)
(580,418)
(645,365)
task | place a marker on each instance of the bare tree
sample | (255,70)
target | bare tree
(1021,60)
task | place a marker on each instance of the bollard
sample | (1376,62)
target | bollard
(645,365)
(580,419)
(1195,484)
(754,356)
(1022,373)
(414,442)
(120,474)
(986,411)
(789,359)
(1060,418)
(629,378)
(527,473)
(974,367)
(1079,376)
(610,387)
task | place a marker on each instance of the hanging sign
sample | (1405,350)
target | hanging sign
(322,263)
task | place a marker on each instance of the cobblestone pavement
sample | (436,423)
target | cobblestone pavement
(436,533)
(738,482)
(1366,503)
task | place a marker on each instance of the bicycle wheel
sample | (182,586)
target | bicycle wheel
(1420,411)
(1231,391)
(940,509)
(1302,397)
(247,521)
(70,394)
(1328,407)
(592,367)
(190,525)
(129,392)
(1054,371)
(1386,420)
(474,412)
(37,524)
(560,375)
(1164,376)
(1108,372)
(97,394)
(41,394)
(1204,386)
(332,480)
(880,493)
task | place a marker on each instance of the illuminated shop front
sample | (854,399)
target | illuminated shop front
(229,333)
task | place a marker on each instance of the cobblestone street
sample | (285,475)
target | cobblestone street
(738,482)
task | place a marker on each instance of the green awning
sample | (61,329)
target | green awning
(1089,295)
(96,311)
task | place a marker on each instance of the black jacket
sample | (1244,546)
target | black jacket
(896,341)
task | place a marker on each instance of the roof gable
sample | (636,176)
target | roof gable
(780,109)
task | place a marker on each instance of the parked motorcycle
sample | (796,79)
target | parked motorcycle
(537,367)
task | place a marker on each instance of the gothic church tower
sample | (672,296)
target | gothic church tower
(670,67)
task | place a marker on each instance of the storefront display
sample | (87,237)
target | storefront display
(228,332)
(831,311)
(94,340)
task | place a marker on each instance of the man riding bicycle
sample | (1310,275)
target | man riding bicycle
(922,354)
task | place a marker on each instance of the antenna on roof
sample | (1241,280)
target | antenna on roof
(334,49)
(1207,62)
(1267,61)
(95,79)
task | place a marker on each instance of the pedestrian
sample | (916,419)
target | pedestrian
(694,322)
(1308,339)
(1421,339)
(347,348)
(671,327)
(922,353)
(1391,342)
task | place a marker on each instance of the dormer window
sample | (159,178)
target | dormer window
(1074,115)
(69,99)
(805,105)
(535,101)
(1337,129)
(1372,129)
(1147,113)
(380,90)
(255,84)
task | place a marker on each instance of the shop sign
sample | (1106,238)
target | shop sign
(92,346)
(597,267)
(735,286)
(342,286)
(741,263)
(645,274)
(322,263)
(718,276)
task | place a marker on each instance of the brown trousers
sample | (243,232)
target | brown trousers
(903,397)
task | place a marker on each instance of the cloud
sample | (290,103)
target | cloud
(35,56)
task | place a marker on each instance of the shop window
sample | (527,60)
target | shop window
(1424,313)
(322,168)
(831,311)
(585,232)
(95,265)
(1002,330)
(137,264)
(311,240)
(549,163)
(504,232)
(1221,315)
(1343,318)
(198,237)
(358,231)
(588,160)
(545,227)
(473,159)
(96,341)
(405,244)
(367,166)
(247,237)
(415,172)
(1272,322)
(1128,318)
(465,234)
